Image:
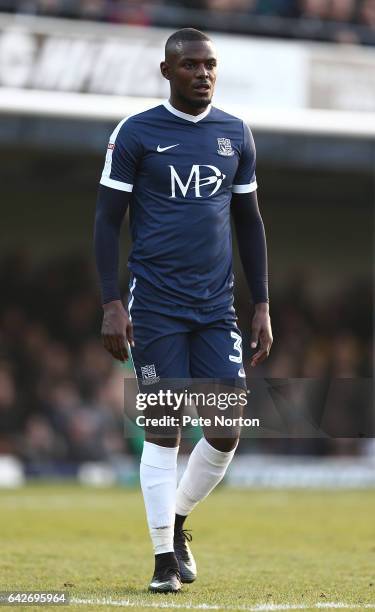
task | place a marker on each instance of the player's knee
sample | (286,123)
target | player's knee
(171,440)
(225,445)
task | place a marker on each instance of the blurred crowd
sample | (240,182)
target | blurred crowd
(351,21)
(61,394)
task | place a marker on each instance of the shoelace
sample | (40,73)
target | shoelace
(181,536)
(187,534)
(166,572)
(172,571)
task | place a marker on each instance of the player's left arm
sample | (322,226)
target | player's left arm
(253,252)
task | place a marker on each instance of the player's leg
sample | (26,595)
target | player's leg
(215,353)
(158,355)
(158,476)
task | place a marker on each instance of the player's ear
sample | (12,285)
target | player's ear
(164,69)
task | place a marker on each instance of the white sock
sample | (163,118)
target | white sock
(158,472)
(205,469)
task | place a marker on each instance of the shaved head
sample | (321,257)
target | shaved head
(175,42)
(190,67)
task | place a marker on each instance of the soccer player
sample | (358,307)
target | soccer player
(183,168)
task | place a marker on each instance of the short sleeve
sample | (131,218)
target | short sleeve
(122,157)
(245,179)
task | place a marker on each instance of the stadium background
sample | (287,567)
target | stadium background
(302,74)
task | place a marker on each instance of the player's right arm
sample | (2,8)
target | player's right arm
(114,194)
(116,328)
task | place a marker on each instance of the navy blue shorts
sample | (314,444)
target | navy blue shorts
(183,343)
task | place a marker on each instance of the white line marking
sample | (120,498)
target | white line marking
(108,601)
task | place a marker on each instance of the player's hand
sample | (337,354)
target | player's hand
(261,333)
(117,330)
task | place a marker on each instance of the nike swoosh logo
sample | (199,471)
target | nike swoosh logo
(161,149)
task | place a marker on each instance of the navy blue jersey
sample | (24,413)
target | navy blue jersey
(182,170)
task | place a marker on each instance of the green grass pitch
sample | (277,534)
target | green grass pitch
(267,549)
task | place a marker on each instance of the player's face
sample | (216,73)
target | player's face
(192,74)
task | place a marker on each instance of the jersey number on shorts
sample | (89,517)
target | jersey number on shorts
(237,347)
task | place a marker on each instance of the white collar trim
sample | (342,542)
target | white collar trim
(192,118)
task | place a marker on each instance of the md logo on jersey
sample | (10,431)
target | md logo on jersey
(198,178)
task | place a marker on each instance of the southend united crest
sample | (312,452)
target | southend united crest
(225,147)
(149,376)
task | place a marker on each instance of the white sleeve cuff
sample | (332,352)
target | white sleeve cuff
(245,188)
(108,182)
